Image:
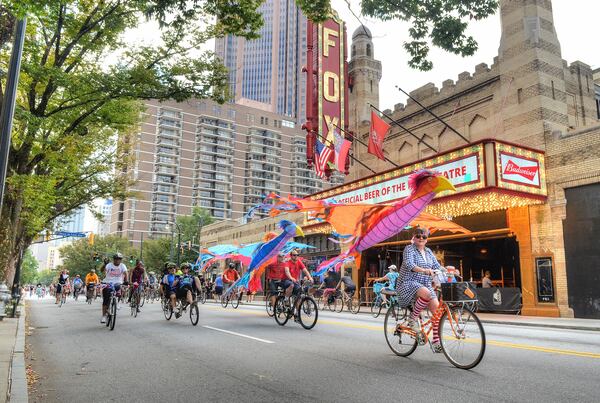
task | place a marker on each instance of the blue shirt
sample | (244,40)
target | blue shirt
(185,280)
(169,279)
(219,282)
(391,276)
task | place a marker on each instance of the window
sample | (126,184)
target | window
(519,95)
(231,113)
(368,49)
(216,110)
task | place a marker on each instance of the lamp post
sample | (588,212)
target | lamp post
(174,225)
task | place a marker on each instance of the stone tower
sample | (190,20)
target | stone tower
(364,73)
(532,73)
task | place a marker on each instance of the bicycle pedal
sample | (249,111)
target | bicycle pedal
(420,340)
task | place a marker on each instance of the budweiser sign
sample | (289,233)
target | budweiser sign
(526,172)
(519,170)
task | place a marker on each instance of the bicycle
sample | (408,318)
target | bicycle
(89,294)
(202,295)
(305,312)
(63,297)
(347,299)
(378,304)
(114,296)
(269,296)
(136,299)
(461,332)
(227,296)
(194,312)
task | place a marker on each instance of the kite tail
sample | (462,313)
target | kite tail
(337,262)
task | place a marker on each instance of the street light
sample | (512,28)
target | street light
(174,225)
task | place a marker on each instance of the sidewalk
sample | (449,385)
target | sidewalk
(13,385)
(511,320)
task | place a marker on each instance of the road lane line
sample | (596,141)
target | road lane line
(239,334)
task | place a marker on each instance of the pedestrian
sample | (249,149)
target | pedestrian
(486,281)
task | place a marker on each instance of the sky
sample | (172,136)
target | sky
(574,20)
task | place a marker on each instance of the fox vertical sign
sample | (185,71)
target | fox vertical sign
(327,91)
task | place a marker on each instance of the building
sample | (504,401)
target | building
(266,73)
(224,158)
(527,167)
(105,209)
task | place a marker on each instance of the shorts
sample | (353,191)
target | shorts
(107,291)
(350,290)
(273,284)
(329,291)
(288,282)
(59,288)
(182,291)
(218,290)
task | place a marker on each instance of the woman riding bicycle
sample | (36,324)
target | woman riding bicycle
(391,278)
(418,266)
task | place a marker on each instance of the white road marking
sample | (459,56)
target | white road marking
(239,334)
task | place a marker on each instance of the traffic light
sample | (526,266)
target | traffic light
(96,257)
(91,239)
(47,237)
(131,259)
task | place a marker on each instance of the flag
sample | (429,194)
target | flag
(323,156)
(376,135)
(341,147)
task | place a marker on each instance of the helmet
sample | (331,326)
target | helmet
(93,271)
(117,256)
(186,265)
(77,275)
(393,267)
(232,265)
(170,265)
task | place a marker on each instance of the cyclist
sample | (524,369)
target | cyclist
(276,275)
(77,284)
(63,282)
(418,265)
(91,280)
(138,275)
(391,277)
(349,285)
(169,285)
(218,286)
(116,274)
(186,284)
(230,275)
(293,273)
(330,283)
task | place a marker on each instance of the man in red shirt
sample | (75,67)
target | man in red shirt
(275,275)
(293,272)
(230,275)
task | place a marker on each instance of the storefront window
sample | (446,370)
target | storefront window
(545,282)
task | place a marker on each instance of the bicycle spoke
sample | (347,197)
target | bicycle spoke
(462,337)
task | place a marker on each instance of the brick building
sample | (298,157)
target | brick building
(530,102)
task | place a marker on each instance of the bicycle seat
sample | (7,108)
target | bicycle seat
(389,292)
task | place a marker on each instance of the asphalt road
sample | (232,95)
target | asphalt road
(344,358)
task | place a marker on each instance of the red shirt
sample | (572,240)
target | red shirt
(276,271)
(296,268)
(230,275)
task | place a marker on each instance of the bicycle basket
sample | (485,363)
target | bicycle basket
(463,291)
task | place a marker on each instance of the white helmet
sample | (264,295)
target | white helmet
(393,268)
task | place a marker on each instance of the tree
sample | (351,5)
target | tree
(29,268)
(78,256)
(190,225)
(72,104)
(441,23)
(156,253)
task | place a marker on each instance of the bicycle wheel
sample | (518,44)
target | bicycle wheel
(194,314)
(132,307)
(269,305)
(113,313)
(376,307)
(167,309)
(462,337)
(399,341)
(224,301)
(308,313)
(353,306)
(235,302)
(202,297)
(281,311)
(339,304)
(141,298)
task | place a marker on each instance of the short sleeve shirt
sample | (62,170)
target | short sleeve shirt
(295,268)
(276,271)
(114,274)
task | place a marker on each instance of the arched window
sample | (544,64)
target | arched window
(368,49)
(353,50)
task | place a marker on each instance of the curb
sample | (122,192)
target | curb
(542,325)
(17,388)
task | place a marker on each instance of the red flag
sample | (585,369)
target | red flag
(341,147)
(376,135)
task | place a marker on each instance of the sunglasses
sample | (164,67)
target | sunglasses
(294,255)
(421,236)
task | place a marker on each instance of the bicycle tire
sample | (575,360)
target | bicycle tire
(108,319)
(393,316)
(113,313)
(446,340)
(141,298)
(339,304)
(269,305)
(307,308)
(224,301)
(280,311)
(167,309)
(376,308)
(194,314)
(202,297)
(235,302)
(353,306)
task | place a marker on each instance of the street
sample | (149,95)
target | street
(244,355)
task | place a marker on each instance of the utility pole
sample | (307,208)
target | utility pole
(8,105)
(141,246)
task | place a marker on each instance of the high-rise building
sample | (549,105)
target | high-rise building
(266,73)
(224,158)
